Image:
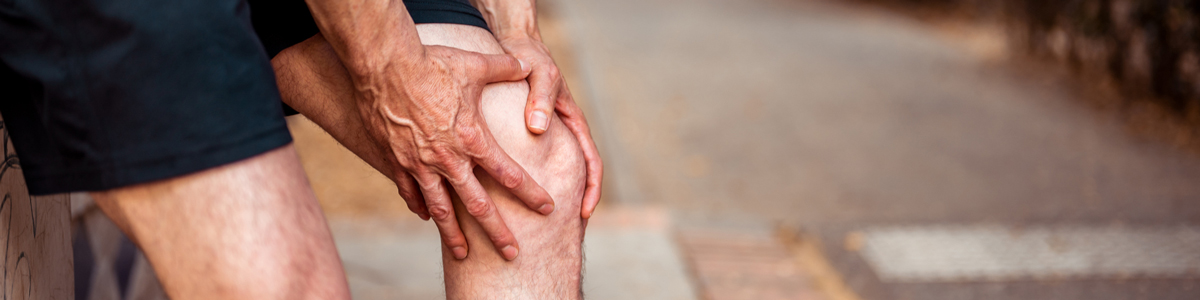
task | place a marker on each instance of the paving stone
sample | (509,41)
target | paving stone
(630,254)
(731,264)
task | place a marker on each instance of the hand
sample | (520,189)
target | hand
(549,93)
(425,112)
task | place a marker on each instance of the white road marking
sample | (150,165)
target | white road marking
(994,253)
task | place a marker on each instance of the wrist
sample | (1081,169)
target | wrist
(512,44)
(513,32)
(510,19)
(353,31)
(374,65)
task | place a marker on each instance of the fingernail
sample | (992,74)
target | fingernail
(509,252)
(524,66)
(539,121)
(547,208)
(460,252)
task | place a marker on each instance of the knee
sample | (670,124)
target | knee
(554,158)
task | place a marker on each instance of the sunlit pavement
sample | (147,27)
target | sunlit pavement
(863,145)
(388,253)
(631,254)
(846,123)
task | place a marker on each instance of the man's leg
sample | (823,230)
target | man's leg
(246,230)
(313,81)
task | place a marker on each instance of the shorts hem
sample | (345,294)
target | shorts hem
(117,176)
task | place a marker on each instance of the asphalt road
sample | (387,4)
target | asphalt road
(836,118)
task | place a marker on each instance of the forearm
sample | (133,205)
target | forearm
(313,80)
(368,36)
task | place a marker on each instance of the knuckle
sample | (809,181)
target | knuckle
(445,154)
(440,212)
(479,207)
(453,238)
(437,155)
(501,239)
(509,178)
(409,196)
(459,177)
(477,62)
(547,89)
(405,163)
(431,185)
(427,157)
(470,135)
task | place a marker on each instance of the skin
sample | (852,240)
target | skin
(253,229)
(315,82)
(420,105)
(514,24)
(247,230)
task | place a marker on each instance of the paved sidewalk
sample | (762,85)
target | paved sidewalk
(842,119)
(632,252)
(732,264)
(817,112)
(630,255)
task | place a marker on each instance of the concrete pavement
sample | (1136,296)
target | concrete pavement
(739,116)
(388,253)
(838,119)
(630,253)
(817,112)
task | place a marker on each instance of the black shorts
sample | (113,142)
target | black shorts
(283,23)
(100,94)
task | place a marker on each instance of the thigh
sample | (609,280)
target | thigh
(250,230)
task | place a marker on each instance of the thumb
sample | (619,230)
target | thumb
(543,90)
(502,67)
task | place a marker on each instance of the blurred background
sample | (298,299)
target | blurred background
(853,149)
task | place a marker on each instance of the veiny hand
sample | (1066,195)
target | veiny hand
(426,113)
(549,93)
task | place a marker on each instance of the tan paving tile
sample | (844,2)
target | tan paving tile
(733,265)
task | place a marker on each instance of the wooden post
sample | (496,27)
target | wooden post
(36,232)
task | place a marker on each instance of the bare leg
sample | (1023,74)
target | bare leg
(247,230)
(314,82)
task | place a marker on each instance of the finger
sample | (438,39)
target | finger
(475,199)
(543,90)
(512,176)
(441,210)
(595,174)
(573,118)
(412,194)
(501,67)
